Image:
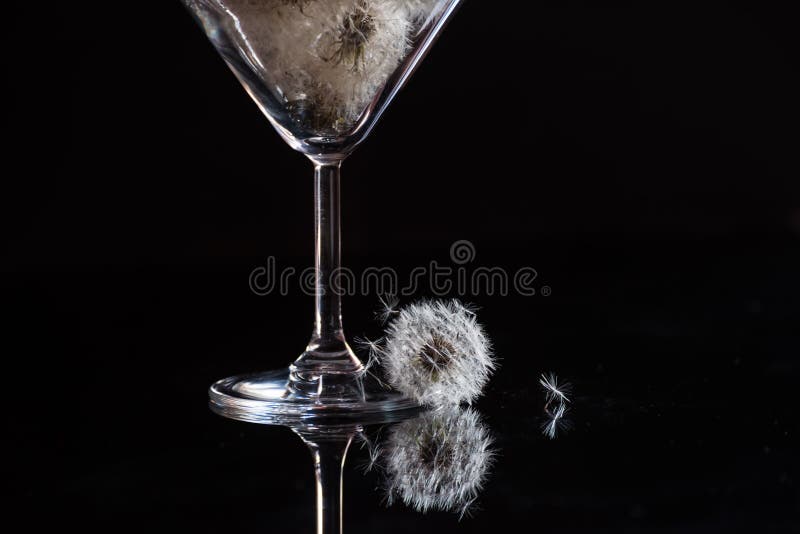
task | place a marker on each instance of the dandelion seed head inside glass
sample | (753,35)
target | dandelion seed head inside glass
(437,353)
(327,59)
(355,31)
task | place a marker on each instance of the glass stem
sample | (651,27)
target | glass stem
(328,335)
(328,368)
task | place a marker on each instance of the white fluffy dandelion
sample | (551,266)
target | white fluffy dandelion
(436,352)
(439,461)
(326,59)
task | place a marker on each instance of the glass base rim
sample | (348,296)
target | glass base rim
(262,398)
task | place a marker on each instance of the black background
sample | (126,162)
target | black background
(645,165)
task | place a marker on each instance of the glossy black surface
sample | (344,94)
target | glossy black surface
(683,410)
(650,178)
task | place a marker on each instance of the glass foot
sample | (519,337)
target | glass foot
(272,398)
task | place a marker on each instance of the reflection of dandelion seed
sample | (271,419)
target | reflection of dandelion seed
(438,461)
(556,422)
(373,451)
(437,353)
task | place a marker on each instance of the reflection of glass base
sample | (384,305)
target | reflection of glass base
(272,398)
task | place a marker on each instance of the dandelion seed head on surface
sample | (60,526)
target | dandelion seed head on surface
(436,352)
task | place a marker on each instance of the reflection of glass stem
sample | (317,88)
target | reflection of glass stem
(329,452)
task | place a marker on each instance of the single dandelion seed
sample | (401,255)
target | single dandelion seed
(437,353)
(373,348)
(439,461)
(374,351)
(388,309)
(555,390)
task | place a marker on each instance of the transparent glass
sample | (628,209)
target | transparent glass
(323,72)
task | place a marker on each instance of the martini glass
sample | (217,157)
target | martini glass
(323,72)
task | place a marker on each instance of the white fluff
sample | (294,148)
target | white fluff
(555,390)
(555,407)
(436,352)
(388,308)
(439,461)
(556,421)
(329,58)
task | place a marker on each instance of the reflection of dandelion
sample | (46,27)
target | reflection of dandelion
(437,353)
(373,448)
(438,461)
